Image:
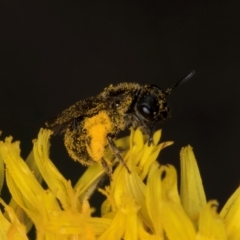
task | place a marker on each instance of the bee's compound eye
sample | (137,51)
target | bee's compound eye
(146,111)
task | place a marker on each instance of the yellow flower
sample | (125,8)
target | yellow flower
(141,205)
(57,212)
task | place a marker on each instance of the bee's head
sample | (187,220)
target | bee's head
(152,101)
(152,105)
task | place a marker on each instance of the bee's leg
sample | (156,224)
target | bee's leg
(107,168)
(116,152)
(141,124)
(153,128)
(145,128)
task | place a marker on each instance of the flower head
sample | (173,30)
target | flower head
(143,204)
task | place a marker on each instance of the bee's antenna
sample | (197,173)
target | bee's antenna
(180,82)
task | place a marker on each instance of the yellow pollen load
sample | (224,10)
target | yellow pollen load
(97,128)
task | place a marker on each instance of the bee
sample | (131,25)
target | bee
(92,124)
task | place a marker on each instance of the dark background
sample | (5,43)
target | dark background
(54,53)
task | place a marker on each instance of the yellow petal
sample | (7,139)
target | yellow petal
(154,198)
(125,222)
(56,182)
(20,180)
(20,213)
(231,215)
(157,136)
(150,154)
(211,225)
(137,189)
(175,222)
(89,181)
(136,140)
(169,184)
(145,155)
(4,226)
(12,229)
(1,173)
(191,191)
(116,228)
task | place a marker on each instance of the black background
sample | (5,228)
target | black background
(54,53)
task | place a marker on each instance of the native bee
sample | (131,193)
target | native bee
(92,124)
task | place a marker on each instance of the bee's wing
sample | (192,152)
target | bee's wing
(107,100)
(80,109)
(57,128)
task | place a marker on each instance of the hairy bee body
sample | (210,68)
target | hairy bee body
(86,142)
(92,124)
(87,123)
